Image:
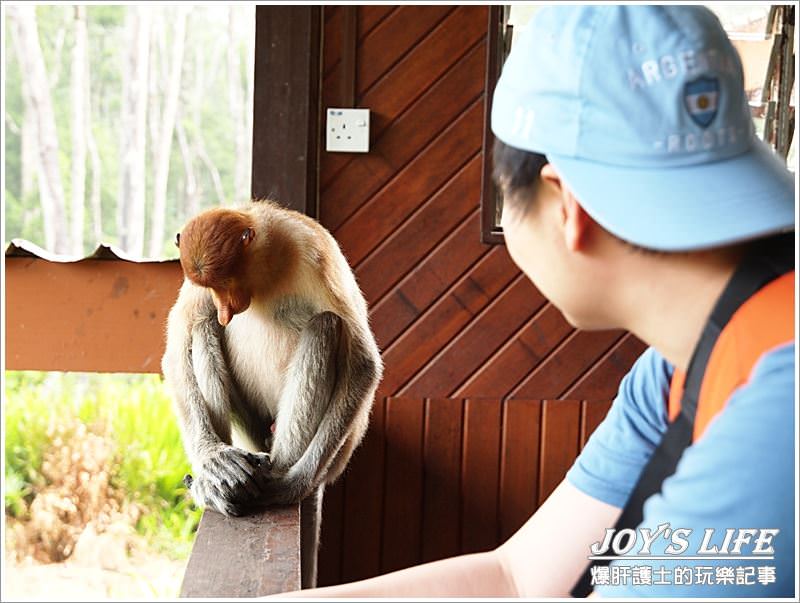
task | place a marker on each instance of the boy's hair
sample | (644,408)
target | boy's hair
(516,173)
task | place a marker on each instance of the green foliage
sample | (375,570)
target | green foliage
(25,430)
(137,413)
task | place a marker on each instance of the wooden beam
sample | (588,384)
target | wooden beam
(248,556)
(92,315)
(286,105)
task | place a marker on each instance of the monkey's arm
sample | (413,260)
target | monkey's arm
(226,478)
(324,408)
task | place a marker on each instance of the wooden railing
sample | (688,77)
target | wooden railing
(245,556)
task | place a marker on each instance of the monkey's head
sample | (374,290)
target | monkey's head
(214,248)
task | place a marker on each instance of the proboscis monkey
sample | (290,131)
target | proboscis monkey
(269,336)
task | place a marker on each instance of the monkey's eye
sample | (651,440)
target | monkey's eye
(178,240)
(247,235)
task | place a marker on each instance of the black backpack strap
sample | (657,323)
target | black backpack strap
(766,261)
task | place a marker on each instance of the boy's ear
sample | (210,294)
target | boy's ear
(576,223)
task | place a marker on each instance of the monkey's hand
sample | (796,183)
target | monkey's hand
(282,488)
(230,480)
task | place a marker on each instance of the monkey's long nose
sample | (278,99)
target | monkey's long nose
(224,314)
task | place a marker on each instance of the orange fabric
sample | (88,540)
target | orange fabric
(675,393)
(762,323)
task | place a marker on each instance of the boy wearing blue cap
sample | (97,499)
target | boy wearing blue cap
(637,196)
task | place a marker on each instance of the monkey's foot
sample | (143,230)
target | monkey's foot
(231,481)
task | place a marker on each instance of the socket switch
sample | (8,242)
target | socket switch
(347,130)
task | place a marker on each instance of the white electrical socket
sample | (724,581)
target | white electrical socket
(347,130)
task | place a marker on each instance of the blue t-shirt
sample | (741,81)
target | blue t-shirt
(739,474)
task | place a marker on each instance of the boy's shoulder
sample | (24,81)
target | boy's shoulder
(648,381)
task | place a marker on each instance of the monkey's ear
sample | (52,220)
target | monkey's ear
(178,240)
(247,236)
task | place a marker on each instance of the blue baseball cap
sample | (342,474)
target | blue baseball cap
(642,111)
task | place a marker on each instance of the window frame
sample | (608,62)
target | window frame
(491,233)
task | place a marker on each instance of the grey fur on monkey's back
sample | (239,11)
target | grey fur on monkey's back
(301,356)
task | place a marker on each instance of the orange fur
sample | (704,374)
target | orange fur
(212,250)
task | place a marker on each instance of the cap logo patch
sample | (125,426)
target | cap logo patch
(701,98)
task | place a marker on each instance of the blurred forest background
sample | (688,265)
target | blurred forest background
(120,123)
(123,121)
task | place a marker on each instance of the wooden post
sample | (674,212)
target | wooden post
(286,106)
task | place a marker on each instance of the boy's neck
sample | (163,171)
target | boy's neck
(670,297)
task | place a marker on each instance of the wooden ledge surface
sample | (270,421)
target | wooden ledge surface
(248,556)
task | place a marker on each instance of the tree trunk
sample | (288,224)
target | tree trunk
(216,179)
(97,210)
(131,208)
(199,147)
(94,161)
(164,146)
(154,90)
(191,205)
(54,77)
(36,91)
(78,113)
(236,101)
(28,151)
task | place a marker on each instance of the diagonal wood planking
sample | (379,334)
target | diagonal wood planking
(436,107)
(346,187)
(488,393)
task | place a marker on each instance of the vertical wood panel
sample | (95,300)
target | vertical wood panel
(560,428)
(329,559)
(480,475)
(594,411)
(441,514)
(519,470)
(363,503)
(402,518)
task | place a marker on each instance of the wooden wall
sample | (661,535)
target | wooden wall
(462,447)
